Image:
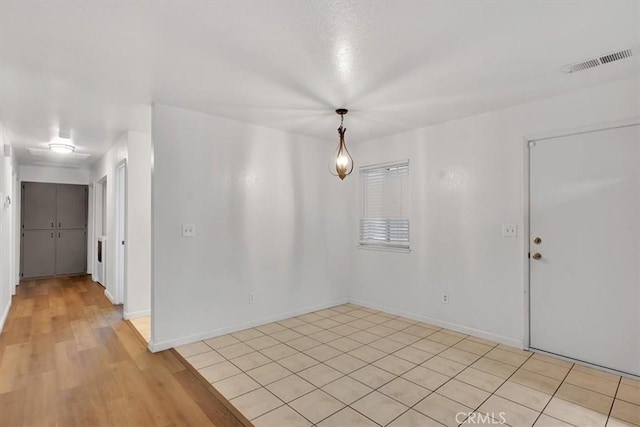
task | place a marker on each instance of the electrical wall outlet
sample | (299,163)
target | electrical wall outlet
(509,230)
(188,230)
(252,297)
(445,298)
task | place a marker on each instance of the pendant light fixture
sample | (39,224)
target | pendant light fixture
(341,163)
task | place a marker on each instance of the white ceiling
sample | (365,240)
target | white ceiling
(95,67)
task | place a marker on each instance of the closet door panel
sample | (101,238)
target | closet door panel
(38,206)
(38,253)
(71,252)
(71,206)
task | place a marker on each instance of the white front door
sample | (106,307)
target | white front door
(585,283)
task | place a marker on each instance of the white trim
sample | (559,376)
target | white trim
(526,285)
(453,326)
(163,345)
(383,248)
(381,165)
(525,245)
(120,223)
(98,199)
(17,203)
(109,297)
(135,314)
(3,319)
(90,238)
(558,133)
(152,233)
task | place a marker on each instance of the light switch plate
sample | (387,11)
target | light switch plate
(188,230)
(509,230)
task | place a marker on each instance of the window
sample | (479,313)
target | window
(385,213)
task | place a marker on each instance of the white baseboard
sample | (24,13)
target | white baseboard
(5,314)
(163,345)
(135,314)
(442,324)
(109,297)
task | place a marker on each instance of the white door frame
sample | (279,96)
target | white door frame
(99,190)
(13,230)
(15,202)
(526,283)
(90,233)
(120,235)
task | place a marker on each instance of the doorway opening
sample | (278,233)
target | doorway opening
(100,233)
(120,237)
(53,229)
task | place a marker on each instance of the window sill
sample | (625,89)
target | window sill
(383,248)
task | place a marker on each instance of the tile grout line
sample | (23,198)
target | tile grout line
(553,395)
(615,396)
(400,376)
(292,373)
(298,352)
(387,354)
(358,329)
(395,376)
(276,362)
(467,367)
(367,364)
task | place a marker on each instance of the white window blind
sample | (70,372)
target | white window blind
(385,216)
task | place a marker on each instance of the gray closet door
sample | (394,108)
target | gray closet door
(38,253)
(39,206)
(71,252)
(71,206)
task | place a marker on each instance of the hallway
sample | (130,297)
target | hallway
(67,358)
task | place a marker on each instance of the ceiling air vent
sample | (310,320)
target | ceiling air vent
(600,60)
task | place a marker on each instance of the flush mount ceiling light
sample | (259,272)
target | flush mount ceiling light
(60,147)
(62,144)
(341,163)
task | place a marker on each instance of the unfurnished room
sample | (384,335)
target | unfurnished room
(337,213)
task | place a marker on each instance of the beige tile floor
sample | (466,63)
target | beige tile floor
(143,325)
(353,366)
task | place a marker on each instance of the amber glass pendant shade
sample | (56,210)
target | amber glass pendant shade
(341,163)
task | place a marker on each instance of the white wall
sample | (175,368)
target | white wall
(269,219)
(56,175)
(466,181)
(138,296)
(135,149)
(7,231)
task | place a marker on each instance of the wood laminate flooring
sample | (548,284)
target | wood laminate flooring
(68,359)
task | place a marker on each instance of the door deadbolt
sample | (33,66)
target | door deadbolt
(536,256)
(537,240)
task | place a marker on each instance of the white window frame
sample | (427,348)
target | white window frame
(400,223)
